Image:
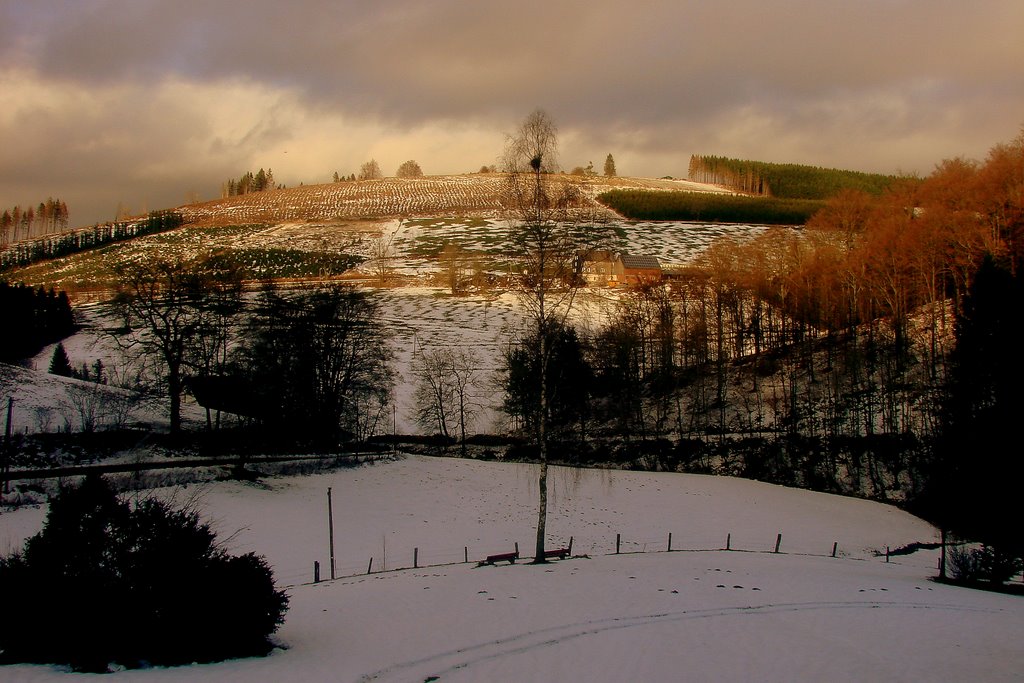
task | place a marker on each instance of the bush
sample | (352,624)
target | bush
(972,565)
(106,582)
(964,564)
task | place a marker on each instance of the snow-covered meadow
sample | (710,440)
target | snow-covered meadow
(699,613)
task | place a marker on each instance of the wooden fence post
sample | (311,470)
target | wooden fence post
(835,546)
(778,542)
(570,546)
(670,541)
(316,571)
(369,566)
(415,558)
(330,528)
(465,551)
(6,465)
(942,557)
(887,554)
(618,543)
(728,541)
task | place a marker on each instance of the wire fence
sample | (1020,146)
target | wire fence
(427,557)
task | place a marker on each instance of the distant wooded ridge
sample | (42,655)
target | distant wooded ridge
(784,181)
(655,205)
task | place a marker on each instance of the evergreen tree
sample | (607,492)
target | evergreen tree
(132,584)
(60,364)
(973,490)
(609,166)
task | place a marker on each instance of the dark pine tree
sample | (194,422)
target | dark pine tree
(974,488)
(60,364)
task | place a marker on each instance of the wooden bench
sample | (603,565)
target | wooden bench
(500,557)
(560,553)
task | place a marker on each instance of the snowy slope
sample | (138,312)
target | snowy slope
(697,614)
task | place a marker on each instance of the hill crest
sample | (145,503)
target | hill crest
(476,194)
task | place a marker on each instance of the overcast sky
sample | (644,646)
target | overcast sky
(146,102)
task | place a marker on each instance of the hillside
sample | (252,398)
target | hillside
(698,613)
(458,195)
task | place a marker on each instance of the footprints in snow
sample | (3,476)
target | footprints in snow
(511,597)
(735,586)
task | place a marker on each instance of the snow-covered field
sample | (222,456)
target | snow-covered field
(416,242)
(468,194)
(699,613)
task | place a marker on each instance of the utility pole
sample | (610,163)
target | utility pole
(330,527)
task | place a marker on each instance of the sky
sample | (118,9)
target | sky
(147,104)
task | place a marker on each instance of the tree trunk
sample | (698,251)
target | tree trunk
(542,437)
(174,388)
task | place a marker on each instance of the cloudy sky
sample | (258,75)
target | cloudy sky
(149,102)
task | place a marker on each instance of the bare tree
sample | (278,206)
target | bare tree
(164,306)
(446,391)
(370,171)
(434,394)
(547,241)
(467,379)
(453,266)
(85,399)
(382,254)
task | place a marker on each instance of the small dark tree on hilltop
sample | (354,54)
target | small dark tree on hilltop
(107,581)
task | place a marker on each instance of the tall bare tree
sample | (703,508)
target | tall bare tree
(161,303)
(544,212)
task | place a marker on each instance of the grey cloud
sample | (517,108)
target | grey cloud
(411,60)
(821,81)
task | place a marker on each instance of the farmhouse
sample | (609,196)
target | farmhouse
(604,267)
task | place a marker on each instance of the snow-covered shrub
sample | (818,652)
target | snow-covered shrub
(964,564)
(107,581)
(971,565)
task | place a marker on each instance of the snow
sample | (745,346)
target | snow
(699,613)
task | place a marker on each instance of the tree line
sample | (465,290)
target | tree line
(34,318)
(261,181)
(788,181)
(24,223)
(307,367)
(662,205)
(54,246)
